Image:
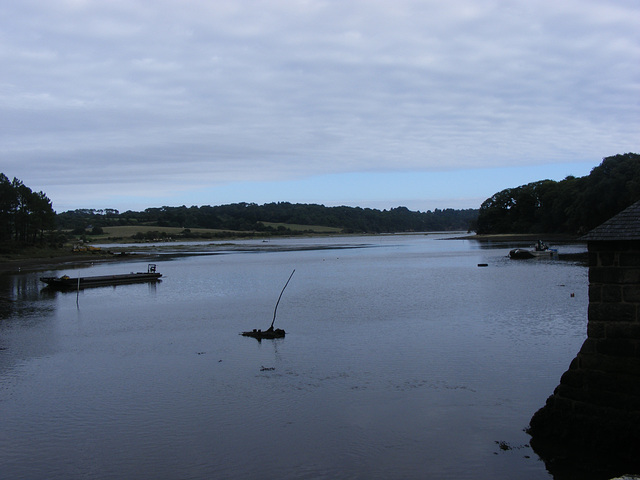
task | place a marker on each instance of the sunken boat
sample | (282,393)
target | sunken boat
(265,334)
(270,332)
(71,283)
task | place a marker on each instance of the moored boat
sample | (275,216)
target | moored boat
(69,283)
(540,250)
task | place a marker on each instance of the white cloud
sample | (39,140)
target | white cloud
(207,93)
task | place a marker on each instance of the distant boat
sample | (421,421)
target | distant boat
(70,283)
(540,250)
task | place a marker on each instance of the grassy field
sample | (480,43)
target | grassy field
(131,230)
(128,231)
(301,228)
(125,234)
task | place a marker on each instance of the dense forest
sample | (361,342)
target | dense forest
(572,206)
(250,217)
(25,215)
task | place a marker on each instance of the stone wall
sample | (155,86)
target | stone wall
(594,414)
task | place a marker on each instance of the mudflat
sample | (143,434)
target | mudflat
(34,261)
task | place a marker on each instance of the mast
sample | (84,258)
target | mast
(274,310)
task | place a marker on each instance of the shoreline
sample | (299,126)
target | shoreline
(49,258)
(36,263)
(525,237)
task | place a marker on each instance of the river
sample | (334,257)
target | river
(403,359)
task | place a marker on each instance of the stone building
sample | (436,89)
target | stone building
(590,426)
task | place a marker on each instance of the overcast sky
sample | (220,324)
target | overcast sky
(130,104)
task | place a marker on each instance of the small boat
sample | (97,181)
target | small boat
(69,283)
(540,250)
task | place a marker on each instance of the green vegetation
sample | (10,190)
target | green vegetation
(243,219)
(571,206)
(25,216)
(303,228)
(29,224)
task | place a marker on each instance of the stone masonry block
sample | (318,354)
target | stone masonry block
(575,364)
(629,259)
(608,399)
(588,409)
(610,275)
(560,403)
(596,329)
(625,246)
(588,347)
(612,293)
(612,312)
(602,381)
(568,392)
(606,259)
(628,330)
(627,365)
(630,293)
(630,276)
(616,347)
(573,378)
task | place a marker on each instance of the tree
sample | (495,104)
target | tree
(573,205)
(8,203)
(24,215)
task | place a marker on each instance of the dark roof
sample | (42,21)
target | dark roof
(624,226)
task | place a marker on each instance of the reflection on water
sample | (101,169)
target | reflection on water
(401,361)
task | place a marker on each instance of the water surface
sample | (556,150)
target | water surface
(403,359)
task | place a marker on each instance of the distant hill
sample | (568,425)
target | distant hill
(274,218)
(574,205)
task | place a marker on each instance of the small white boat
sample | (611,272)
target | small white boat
(540,250)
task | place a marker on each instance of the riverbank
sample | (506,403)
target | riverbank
(43,259)
(525,237)
(553,240)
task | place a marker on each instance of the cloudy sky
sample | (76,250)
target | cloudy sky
(131,104)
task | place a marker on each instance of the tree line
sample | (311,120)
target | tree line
(245,217)
(574,205)
(25,215)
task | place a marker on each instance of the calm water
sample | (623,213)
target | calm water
(403,360)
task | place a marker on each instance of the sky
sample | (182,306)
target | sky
(131,104)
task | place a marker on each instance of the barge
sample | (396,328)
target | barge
(70,283)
